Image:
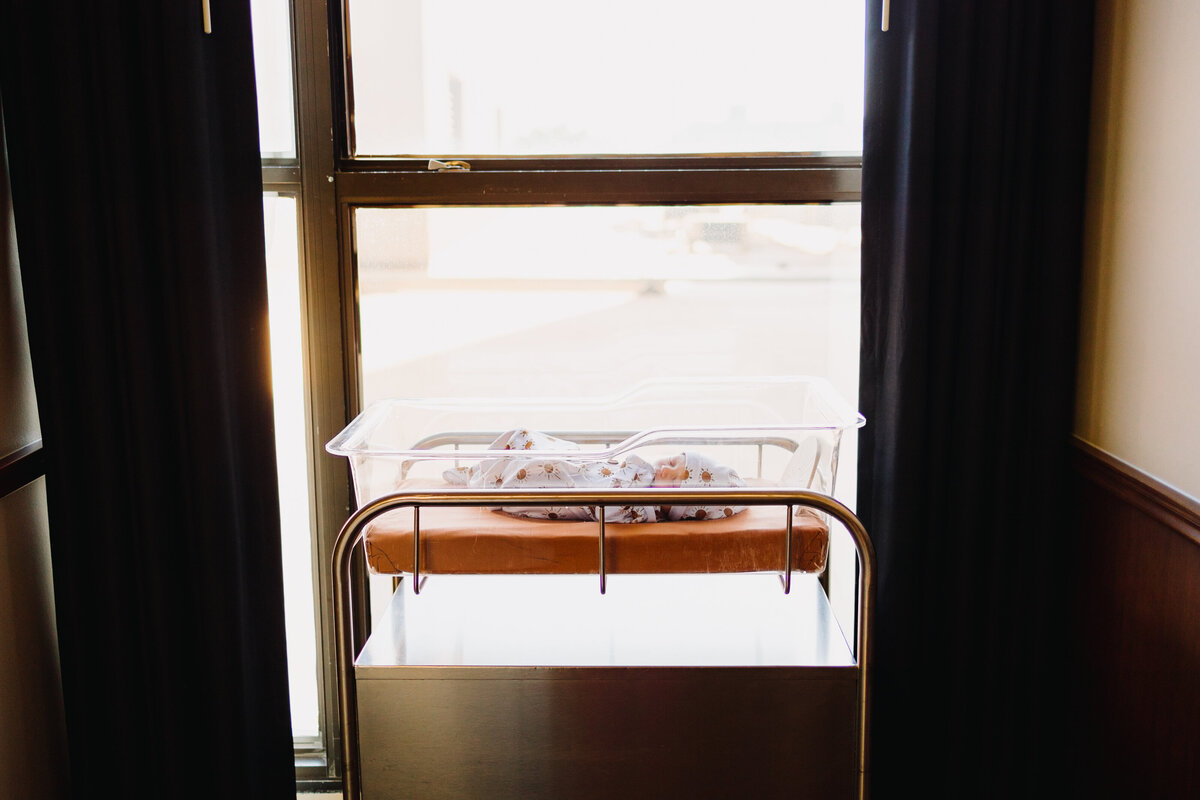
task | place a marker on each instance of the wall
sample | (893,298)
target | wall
(33,760)
(1137,598)
(1139,379)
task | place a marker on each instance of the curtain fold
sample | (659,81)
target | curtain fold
(973,178)
(133,147)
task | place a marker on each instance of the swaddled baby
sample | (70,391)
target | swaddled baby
(684,470)
(698,470)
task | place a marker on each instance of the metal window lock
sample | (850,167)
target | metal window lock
(449,166)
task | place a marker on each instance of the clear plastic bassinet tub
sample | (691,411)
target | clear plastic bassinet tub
(777,431)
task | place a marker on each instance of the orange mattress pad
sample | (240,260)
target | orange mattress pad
(474,541)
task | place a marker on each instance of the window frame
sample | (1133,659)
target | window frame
(330,183)
(610,180)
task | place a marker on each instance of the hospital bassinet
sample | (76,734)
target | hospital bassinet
(509,678)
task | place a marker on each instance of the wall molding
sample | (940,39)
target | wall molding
(1136,602)
(21,467)
(1148,494)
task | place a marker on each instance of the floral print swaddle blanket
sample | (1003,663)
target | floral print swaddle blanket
(687,469)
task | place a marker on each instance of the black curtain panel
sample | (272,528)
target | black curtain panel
(136,190)
(972,206)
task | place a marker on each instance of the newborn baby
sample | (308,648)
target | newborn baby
(696,469)
(683,470)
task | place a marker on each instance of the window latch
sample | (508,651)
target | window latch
(449,166)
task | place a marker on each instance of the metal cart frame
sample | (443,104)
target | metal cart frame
(350,538)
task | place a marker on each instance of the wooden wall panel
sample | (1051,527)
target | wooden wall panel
(1138,606)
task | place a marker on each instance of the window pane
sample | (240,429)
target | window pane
(291,442)
(546,77)
(273,76)
(568,301)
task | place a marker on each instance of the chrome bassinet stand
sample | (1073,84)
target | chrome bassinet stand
(573,770)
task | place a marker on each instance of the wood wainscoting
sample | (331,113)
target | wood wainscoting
(1138,674)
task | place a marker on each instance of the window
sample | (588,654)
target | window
(571,196)
(559,301)
(538,77)
(272,28)
(287,380)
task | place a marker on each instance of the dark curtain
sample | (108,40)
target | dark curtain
(136,191)
(973,187)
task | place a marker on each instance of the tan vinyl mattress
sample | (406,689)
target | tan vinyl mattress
(481,541)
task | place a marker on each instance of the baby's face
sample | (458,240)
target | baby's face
(670,471)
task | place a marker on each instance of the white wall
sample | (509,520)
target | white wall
(1139,379)
(33,760)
